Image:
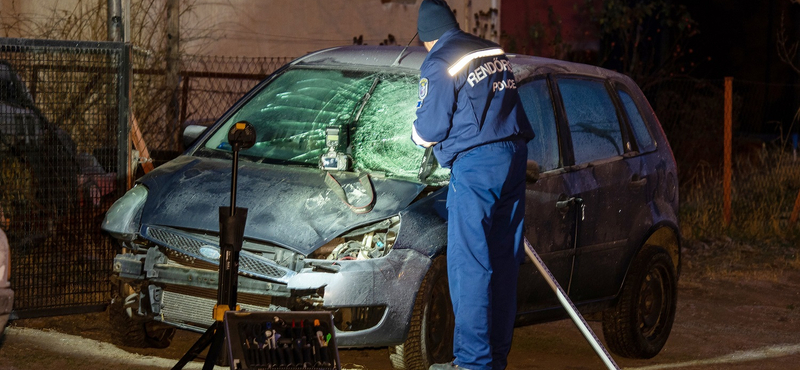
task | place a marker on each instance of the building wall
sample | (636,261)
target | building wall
(285,27)
(549,28)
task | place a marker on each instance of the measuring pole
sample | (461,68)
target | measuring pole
(570,307)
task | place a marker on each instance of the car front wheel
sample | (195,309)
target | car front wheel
(430,336)
(132,330)
(638,326)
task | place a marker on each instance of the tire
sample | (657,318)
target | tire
(132,330)
(640,323)
(430,336)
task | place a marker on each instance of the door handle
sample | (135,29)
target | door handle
(562,204)
(637,182)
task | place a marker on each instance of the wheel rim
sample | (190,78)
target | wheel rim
(654,302)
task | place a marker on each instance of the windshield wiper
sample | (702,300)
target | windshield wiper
(364,100)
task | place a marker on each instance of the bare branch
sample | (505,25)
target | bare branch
(787,51)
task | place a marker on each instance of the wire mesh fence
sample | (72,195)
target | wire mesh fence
(208,86)
(691,113)
(765,166)
(59,127)
(63,132)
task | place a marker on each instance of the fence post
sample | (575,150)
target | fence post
(114,20)
(727,169)
(795,210)
(173,68)
(184,100)
(124,75)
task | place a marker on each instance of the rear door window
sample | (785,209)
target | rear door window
(538,105)
(592,119)
(643,137)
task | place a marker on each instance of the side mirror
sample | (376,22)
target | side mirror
(532,171)
(191,133)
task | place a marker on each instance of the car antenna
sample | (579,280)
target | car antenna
(397,61)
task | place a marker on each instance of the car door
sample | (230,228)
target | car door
(549,220)
(600,176)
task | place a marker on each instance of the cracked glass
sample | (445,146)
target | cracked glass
(372,112)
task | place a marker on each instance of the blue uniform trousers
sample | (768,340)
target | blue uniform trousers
(486,207)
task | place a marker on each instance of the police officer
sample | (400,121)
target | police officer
(469,111)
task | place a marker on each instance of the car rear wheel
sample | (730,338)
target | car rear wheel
(133,330)
(430,336)
(640,323)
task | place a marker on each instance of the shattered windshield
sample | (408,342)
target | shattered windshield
(372,112)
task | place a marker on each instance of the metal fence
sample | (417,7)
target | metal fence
(64,113)
(765,176)
(208,86)
(691,113)
(59,134)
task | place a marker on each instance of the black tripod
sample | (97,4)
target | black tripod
(231,226)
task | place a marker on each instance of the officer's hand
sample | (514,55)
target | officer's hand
(418,140)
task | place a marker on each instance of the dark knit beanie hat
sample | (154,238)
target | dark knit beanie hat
(435,18)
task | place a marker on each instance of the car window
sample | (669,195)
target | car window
(293,112)
(592,120)
(643,137)
(538,105)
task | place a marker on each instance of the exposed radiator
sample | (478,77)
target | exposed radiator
(193,306)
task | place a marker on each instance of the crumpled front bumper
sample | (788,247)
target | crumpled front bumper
(391,282)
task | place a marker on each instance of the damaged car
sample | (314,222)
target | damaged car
(347,215)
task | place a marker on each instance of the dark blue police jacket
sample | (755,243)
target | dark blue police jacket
(467,97)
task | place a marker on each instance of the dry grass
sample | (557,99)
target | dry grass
(762,201)
(760,242)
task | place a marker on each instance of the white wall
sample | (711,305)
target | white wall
(282,27)
(296,27)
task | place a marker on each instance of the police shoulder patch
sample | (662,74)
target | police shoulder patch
(423,88)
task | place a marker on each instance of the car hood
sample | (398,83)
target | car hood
(288,206)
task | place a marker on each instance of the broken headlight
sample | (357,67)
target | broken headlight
(367,242)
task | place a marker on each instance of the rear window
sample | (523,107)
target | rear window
(640,131)
(592,120)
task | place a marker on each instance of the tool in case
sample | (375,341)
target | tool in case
(281,340)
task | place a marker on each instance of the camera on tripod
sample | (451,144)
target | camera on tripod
(333,160)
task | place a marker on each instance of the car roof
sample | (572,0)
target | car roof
(375,56)
(366,56)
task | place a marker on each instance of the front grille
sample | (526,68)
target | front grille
(194,306)
(180,259)
(172,239)
(249,264)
